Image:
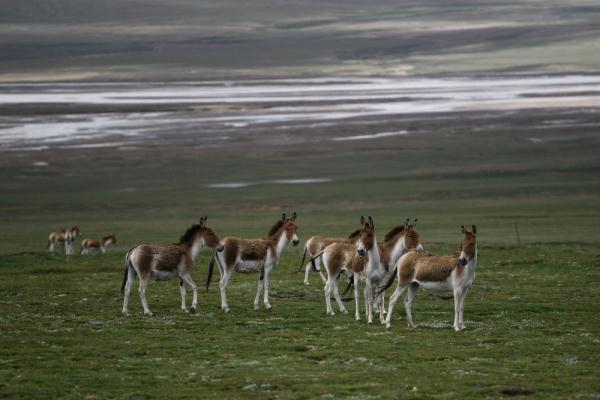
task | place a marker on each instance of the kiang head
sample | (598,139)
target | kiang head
(202,234)
(112,238)
(75,231)
(291,229)
(468,246)
(412,241)
(366,239)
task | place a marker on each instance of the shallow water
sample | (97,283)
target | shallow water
(234,106)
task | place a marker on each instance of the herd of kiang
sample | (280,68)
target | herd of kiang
(399,258)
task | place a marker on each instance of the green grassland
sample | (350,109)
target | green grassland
(532,316)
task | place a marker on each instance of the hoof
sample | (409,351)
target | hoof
(388,325)
(344,311)
(148,314)
(125,314)
(256,307)
(193,310)
(370,322)
(185,310)
(268,306)
(462,327)
(225,309)
(330,313)
(306,283)
(357,318)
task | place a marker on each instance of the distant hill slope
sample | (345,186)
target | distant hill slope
(187,39)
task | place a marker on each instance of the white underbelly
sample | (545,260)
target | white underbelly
(247,267)
(437,286)
(163,275)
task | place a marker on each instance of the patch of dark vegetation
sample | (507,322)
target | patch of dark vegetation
(51,271)
(517,392)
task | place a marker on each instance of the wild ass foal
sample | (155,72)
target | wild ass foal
(437,273)
(167,262)
(344,257)
(381,259)
(315,245)
(88,245)
(65,237)
(254,255)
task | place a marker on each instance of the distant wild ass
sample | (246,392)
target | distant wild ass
(64,237)
(437,273)
(381,259)
(168,262)
(315,245)
(349,258)
(254,255)
(88,245)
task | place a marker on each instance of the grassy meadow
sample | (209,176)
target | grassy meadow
(532,315)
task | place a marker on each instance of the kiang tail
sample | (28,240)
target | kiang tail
(312,260)
(389,283)
(302,262)
(211,268)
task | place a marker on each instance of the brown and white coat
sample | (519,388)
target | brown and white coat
(381,259)
(64,237)
(254,255)
(437,273)
(88,245)
(339,258)
(315,245)
(168,262)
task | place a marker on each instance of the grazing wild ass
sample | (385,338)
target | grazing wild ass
(437,273)
(254,255)
(65,237)
(381,259)
(315,245)
(167,262)
(348,258)
(88,245)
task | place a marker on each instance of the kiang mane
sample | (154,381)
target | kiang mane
(275,228)
(390,235)
(190,233)
(108,237)
(354,234)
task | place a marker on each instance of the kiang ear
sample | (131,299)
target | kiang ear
(201,222)
(406,222)
(294,216)
(474,229)
(283,216)
(371,222)
(414,224)
(362,220)
(462,227)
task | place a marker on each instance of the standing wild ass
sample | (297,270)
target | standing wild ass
(167,262)
(345,257)
(88,245)
(65,237)
(254,255)
(437,273)
(381,259)
(315,245)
